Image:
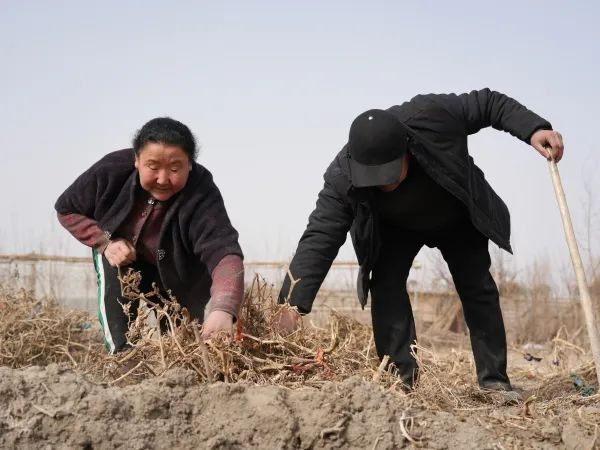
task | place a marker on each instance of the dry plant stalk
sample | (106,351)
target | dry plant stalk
(253,353)
(163,338)
(35,332)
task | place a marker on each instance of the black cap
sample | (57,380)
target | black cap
(376,146)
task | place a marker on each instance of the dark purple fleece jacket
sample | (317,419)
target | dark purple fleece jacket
(195,235)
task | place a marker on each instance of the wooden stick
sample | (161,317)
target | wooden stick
(404,431)
(44,411)
(381,368)
(584,293)
(160,342)
(337,428)
(125,375)
(204,351)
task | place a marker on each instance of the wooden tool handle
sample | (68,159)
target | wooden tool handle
(584,292)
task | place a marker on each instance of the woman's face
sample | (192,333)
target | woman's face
(163,169)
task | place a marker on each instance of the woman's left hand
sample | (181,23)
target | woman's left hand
(215,322)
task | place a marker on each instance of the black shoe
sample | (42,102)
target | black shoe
(496,386)
(502,392)
(409,376)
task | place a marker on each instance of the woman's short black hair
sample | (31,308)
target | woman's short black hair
(167,131)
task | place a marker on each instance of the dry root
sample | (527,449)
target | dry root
(163,337)
(35,332)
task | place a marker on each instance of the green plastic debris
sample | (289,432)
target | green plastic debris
(583,389)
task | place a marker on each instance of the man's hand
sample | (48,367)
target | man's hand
(286,321)
(119,253)
(548,143)
(215,322)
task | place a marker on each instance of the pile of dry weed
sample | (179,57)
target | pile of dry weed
(164,337)
(36,332)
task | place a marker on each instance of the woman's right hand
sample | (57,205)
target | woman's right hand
(119,253)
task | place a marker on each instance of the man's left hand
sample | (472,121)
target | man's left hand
(215,322)
(548,142)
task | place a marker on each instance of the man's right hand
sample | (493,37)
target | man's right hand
(119,253)
(286,321)
(549,144)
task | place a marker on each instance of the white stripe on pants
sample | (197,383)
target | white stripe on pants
(108,340)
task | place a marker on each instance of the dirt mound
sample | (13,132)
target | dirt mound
(62,409)
(59,407)
(316,388)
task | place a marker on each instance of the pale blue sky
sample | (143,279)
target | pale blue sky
(270,89)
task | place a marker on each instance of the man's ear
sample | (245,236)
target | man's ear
(137,162)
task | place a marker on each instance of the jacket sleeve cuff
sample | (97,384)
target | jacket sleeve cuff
(101,244)
(546,126)
(227,289)
(85,230)
(228,307)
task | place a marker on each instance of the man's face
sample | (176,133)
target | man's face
(390,187)
(164,169)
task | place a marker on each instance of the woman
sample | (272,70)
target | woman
(156,210)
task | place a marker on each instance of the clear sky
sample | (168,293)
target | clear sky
(270,89)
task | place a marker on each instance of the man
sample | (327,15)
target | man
(405,179)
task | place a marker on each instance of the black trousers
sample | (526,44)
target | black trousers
(113,319)
(465,250)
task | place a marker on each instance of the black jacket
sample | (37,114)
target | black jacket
(196,232)
(438,126)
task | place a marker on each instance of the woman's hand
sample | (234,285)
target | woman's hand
(119,253)
(215,322)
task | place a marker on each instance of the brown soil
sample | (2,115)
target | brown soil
(56,407)
(312,390)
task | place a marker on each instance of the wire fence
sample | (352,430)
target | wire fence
(71,280)
(535,314)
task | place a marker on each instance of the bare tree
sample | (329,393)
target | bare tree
(504,274)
